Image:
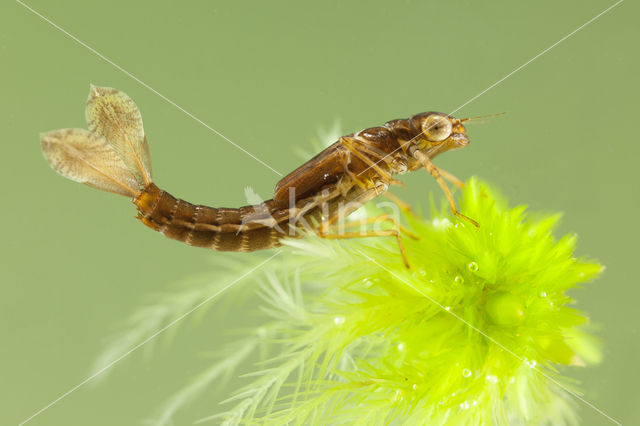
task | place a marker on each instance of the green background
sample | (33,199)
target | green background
(268,75)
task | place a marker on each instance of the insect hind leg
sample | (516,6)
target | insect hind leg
(397,230)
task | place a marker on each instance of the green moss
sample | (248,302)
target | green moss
(472,334)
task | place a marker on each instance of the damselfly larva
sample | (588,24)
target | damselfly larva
(113,155)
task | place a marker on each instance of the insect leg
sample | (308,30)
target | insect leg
(378,187)
(431,168)
(451,178)
(404,206)
(365,196)
(356,149)
(379,233)
(346,162)
(372,220)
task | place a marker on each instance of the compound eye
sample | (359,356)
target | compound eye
(437,128)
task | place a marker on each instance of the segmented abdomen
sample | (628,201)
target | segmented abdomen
(248,228)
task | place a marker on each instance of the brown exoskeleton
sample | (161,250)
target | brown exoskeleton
(113,155)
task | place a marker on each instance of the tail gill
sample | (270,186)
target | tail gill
(113,155)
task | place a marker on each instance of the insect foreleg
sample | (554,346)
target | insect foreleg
(433,170)
(451,178)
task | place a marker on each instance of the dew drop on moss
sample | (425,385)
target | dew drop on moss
(339,320)
(458,279)
(466,373)
(420,273)
(491,378)
(473,267)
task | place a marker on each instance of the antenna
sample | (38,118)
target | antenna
(480,119)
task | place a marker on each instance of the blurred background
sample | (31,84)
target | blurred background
(269,75)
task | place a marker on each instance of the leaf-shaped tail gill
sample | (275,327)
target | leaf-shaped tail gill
(87,158)
(112,114)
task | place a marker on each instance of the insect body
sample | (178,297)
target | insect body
(113,155)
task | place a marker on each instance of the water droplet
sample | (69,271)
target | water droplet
(531,363)
(400,347)
(491,378)
(473,266)
(466,373)
(464,405)
(437,222)
(414,386)
(339,320)
(447,308)
(543,294)
(458,279)
(474,402)
(432,281)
